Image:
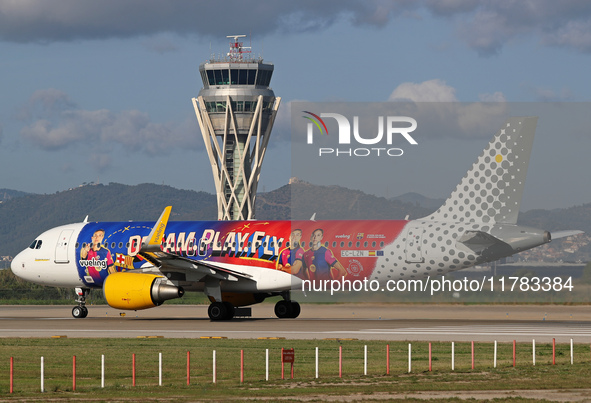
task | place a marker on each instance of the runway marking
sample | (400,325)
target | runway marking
(541,329)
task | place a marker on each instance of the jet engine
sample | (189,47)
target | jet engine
(134,291)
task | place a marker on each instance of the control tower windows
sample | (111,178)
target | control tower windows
(243,77)
(259,77)
(218,77)
(251,76)
(210,77)
(204,78)
(264,77)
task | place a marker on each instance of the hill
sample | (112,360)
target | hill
(300,200)
(25,216)
(7,194)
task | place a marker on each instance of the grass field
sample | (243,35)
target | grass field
(58,357)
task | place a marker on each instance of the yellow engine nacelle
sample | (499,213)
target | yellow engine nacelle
(135,291)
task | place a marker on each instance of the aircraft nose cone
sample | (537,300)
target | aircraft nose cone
(16,264)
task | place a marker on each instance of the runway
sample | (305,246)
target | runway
(364,322)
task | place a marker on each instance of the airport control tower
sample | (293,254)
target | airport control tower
(236,109)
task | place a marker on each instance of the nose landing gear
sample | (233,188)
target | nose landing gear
(80,311)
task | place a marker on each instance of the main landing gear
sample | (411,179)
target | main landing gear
(287,309)
(221,311)
(80,311)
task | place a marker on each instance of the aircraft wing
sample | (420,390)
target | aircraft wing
(564,234)
(169,263)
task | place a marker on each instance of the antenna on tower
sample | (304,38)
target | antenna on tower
(237,48)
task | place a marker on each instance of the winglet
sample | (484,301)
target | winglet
(154,240)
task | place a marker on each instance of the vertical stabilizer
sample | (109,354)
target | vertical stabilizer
(491,191)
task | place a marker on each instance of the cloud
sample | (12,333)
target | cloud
(54,122)
(160,45)
(428,91)
(45,103)
(548,95)
(484,25)
(575,34)
(67,20)
(496,97)
(434,104)
(487,26)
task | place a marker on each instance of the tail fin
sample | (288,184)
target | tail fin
(491,191)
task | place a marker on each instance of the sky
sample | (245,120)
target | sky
(101,91)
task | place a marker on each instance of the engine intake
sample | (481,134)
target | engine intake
(134,291)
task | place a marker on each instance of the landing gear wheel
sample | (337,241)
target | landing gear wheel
(295,309)
(217,311)
(79,312)
(229,310)
(283,309)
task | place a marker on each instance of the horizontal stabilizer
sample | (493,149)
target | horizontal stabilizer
(564,234)
(479,238)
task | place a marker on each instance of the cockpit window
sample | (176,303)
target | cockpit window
(36,244)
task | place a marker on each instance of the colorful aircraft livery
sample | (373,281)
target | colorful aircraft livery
(109,247)
(140,265)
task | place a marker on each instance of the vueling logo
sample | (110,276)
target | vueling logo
(394,125)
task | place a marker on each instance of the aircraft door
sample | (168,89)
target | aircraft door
(61,249)
(414,238)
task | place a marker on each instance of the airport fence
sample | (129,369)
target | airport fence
(63,364)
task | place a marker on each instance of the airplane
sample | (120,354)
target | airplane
(140,265)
